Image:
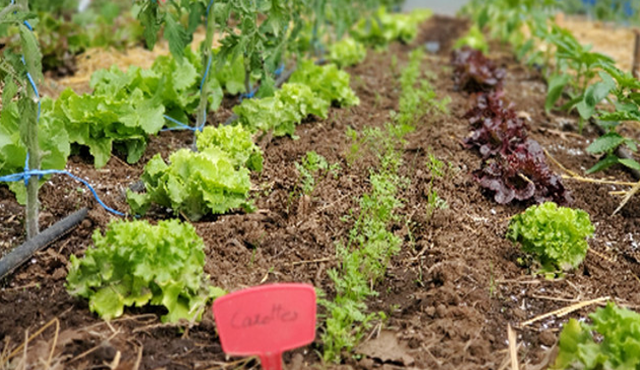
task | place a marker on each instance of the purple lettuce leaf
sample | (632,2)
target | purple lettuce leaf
(496,127)
(473,72)
(522,175)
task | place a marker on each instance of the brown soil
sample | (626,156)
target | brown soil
(450,294)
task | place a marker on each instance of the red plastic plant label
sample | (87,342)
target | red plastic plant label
(266,321)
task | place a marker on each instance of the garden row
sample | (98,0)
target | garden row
(135,263)
(514,166)
(127,107)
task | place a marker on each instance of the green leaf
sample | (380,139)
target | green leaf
(620,115)
(196,184)
(556,236)
(139,202)
(9,91)
(557,84)
(594,95)
(605,163)
(571,338)
(606,143)
(149,17)
(617,345)
(176,35)
(32,54)
(328,82)
(136,263)
(347,52)
(236,142)
(107,302)
(630,163)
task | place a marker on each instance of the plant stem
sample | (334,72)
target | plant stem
(247,75)
(201,119)
(33,150)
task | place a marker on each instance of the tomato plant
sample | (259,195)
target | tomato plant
(21,70)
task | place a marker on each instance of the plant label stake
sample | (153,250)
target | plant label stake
(266,321)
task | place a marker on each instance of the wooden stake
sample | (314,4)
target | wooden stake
(513,348)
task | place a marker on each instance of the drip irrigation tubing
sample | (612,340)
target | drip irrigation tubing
(23,253)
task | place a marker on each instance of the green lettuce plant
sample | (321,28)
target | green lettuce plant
(100,121)
(327,82)
(193,184)
(347,52)
(555,236)
(612,341)
(474,39)
(236,141)
(386,27)
(138,264)
(283,111)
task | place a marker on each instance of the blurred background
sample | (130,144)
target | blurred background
(449,7)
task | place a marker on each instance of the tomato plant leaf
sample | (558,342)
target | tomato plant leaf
(604,163)
(593,96)
(557,84)
(630,163)
(606,143)
(177,37)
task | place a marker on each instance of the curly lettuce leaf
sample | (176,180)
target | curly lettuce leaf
(137,264)
(347,52)
(328,82)
(283,111)
(194,184)
(99,121)
(385,27)
(236,141)
(611,342)
(474,39)
(556,236)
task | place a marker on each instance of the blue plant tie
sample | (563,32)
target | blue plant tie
(28,173)
(26,170)
(250,95)
(279,71)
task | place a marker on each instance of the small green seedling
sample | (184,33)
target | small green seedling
(555,236)
(434,201)
(311,165)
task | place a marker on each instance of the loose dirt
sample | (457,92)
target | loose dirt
(450,294)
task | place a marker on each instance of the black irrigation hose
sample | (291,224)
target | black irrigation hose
(21,254)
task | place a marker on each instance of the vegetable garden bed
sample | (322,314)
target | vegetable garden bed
(448,296)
